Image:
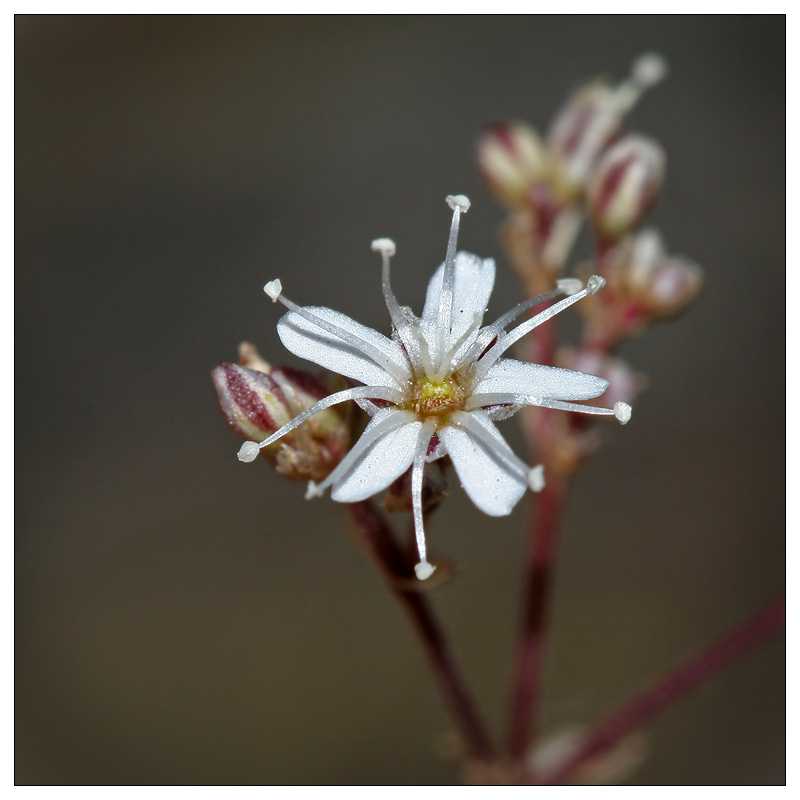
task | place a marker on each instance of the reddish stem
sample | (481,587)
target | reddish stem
(526,679)
(375,536)
(669,689)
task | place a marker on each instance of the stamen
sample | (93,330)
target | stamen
(249,450)
(593,285)
(386,247)
(425,354)
(357,451)
(622,411)
(275,291)
(446,365)
(491,332)
(423,570)
(460,204)
(499,450)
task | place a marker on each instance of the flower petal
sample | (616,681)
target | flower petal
(384,461)
(519,377)
(474,281)
(491,484)
(304,339)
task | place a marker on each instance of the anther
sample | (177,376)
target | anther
(273,289)
(622,411)
(424,570)
(536,478)
(648,70)
(313,490)
(595,284)
(248,452)
(458,201)
(569,286)
(384,246)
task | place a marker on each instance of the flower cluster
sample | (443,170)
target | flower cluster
(587,163)
(589,167)
(437,386)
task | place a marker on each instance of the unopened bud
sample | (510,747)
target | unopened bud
(624,385)
(257,402)
(624,185)
(511,158)
(661,284)
(591,121)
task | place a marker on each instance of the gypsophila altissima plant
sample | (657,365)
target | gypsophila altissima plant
(435,387)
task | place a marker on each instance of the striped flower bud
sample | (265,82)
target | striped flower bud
(624,185)
(592,119)
(662,285)
(512,159)
(258,399)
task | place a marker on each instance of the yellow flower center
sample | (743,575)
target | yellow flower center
(436,399)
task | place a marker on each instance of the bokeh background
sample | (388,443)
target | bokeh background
(182,618)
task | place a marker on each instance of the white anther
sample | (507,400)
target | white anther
(622,411)
(569,286)
(649,69)
(536,478)
(273,289)
(424,570)
(248,452)
(458,201)
(313,490)
(595,284)
(385,246)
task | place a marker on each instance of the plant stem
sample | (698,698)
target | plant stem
(526,681)
(669,689)
(374,535)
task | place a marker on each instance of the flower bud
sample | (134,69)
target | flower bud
(624,185)
(511,158)
(591,121)
(624,385)
(257,402)
(661,285)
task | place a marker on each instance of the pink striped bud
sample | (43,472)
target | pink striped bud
(624,185)
(663,285)
(257,401)
(512,159)
(591,121)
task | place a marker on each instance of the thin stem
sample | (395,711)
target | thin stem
(375,537)
(526,679)
(669,689)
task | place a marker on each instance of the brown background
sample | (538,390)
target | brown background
(182,618)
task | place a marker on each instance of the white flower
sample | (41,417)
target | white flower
(439,382)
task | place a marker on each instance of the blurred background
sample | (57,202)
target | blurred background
(182,618)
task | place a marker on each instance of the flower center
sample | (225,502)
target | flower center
(436,398)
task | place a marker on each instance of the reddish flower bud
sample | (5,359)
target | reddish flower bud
(592,120)
(662,285)
(624,185)
(257,402)
(511,158)
(623,383)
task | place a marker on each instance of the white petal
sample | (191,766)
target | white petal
(474,281)
(306,340)
(519,377)
(491,485)
(386,460)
